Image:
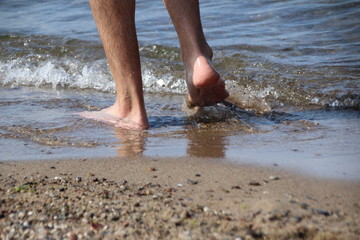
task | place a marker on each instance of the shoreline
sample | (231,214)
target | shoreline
(172,198)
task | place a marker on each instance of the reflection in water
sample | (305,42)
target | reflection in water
(132,143)
(201,142)
(206,144)
(206,131)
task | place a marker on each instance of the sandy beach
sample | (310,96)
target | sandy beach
(171,198)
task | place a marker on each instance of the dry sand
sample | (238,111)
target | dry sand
(173,198)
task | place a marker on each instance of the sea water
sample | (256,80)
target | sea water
(292,68)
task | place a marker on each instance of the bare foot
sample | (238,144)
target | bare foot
(204,84)
(111,116)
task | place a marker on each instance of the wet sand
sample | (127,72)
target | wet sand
(171,198)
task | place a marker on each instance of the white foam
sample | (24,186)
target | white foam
(68,73)
(73,73)
(166,83)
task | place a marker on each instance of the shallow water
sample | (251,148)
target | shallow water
(293,74)
(323,142)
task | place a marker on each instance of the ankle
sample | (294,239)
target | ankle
(189,55)
(128,109)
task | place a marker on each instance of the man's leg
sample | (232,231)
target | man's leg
(116,24)
(203,81)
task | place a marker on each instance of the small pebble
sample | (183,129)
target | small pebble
(304,205)
(123,182)
(254,183)
(321,211)
(26,224)
(21,215)
(151,169)
(97,226)
(311,198)
(274,178)
(297,219)
(73,236)
(78,179)
(192,182)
